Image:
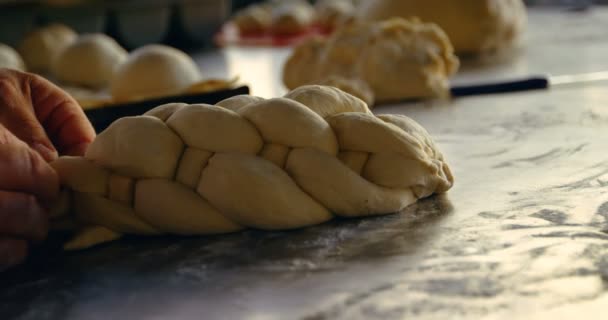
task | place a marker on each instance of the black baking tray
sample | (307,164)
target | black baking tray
(101,118)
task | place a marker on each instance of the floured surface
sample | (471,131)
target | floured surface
(523,234)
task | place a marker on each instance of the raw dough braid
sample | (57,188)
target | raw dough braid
(247,162)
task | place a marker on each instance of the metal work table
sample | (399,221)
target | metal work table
(523,233)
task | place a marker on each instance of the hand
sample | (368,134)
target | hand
(38,121)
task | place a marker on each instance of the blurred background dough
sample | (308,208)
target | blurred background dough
(10,58)
(40,47)
(90,61)
(153,71)
(474,26)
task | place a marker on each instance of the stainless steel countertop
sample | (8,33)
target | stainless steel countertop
(523,233)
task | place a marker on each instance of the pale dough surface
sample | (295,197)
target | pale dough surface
(203,169)
(90,61)
(473,26)
(397,59)
(154,71)
(10,58)
(40,47)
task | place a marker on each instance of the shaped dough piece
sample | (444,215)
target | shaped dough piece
(332,13)
(81,175)
(191,165)
(91,236)
(354,86)
(327,101)
(121,189)
(189,213)
(9,58)
(163,112)
(151,150)
(215,129)
(261,188)
(305,64)
(89,61)
(276,119)
(253,19)
(473,26)
(292,17)
(154,71)
(95,210)
(42,46)
(237,102)
(341,190)
(397,59)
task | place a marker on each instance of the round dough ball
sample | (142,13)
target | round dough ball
(292,17)
(9,58)
(89,61)
(473,26)
(253,19)
(154,71)
(40,47)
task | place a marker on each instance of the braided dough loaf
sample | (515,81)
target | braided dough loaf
(397,59)
(247,162)
(473,26)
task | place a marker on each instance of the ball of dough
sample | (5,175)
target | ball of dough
(154,71)
(10,58)
(40,47)
(292,17)
(397,59)
(473,26)
(89,61)
(332,13)
(253,19)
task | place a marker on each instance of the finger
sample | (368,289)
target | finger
(17,113)
(21,216)
(24,170)
(61,116)
(12,252)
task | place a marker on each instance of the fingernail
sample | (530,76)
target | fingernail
(47,153)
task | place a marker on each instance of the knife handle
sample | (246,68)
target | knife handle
(533,83)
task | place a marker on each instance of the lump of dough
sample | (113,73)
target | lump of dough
(332,13)
(398,59)
(10,58)
(292,17)
(90,61)
(473,26)
(253,19)
(138,147)
(154,71)
(40,47)
(304,66)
